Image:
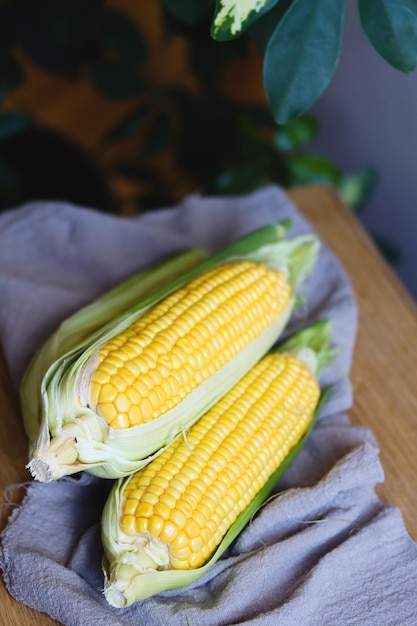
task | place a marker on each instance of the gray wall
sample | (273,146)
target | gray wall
(368,116)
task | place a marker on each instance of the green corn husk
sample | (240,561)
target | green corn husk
(126,580)
(67,437)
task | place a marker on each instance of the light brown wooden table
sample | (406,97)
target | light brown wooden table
(384,373)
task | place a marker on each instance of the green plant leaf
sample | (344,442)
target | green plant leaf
(391,27)
(238,180)
(355,188)
(302,56)
(116,80)
(307,169)
(189,11)
(12,123)
(296,132)
(232,18)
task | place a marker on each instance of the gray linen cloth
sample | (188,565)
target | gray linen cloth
(325,551)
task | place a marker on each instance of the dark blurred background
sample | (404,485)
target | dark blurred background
(124,107)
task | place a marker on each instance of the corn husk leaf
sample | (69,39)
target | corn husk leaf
(125,583)
(68,437)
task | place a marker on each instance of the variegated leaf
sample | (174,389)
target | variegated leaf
(232,17)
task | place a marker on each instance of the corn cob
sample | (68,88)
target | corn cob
(152,366)
(125,392)
(165,522)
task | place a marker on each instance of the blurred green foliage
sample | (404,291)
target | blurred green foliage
(218,145)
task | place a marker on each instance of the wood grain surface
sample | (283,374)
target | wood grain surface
(383,376)
(384,367)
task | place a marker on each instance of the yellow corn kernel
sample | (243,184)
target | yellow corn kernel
(153,365)
(227,457)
